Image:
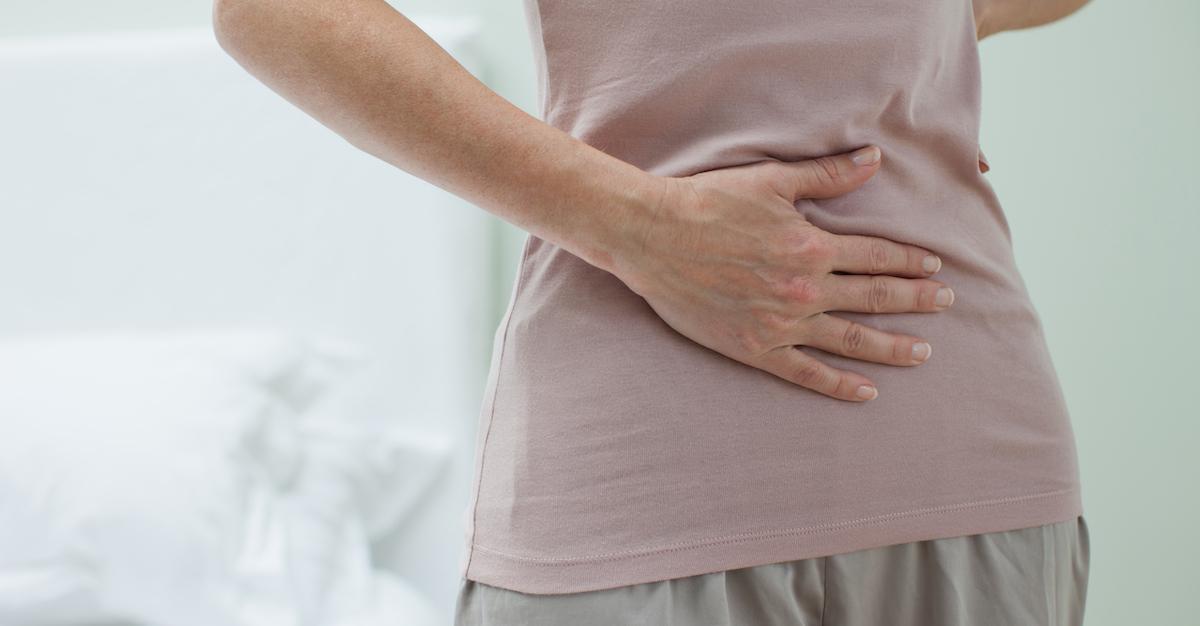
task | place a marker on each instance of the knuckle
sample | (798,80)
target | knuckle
(785,173)
(877,255)
(807,373)
(927,299)
(914,260)
(774,175)
(770,322)
(804,244)
(854,339)
(774,170)
(815,248)
(879,295)
(917,296)
(802,291)
(827,169)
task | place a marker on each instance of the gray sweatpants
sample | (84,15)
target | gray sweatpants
(1027,577)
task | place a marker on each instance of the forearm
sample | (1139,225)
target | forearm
(368,73)
(995,16)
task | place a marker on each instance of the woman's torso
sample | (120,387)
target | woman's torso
(613,450)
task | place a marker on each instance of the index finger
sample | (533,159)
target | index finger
(863,254)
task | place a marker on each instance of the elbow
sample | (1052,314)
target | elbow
(253,31)
(224,23)
(225,19)
(233,20)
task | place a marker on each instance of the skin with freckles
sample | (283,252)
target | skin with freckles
(722,256)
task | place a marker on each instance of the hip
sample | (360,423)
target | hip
(1036,576)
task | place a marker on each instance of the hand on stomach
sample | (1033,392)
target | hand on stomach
(726,260)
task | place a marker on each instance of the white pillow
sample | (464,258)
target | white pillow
(129,464)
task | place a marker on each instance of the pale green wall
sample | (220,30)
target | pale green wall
(1091,127)
(34,17)
(505,44)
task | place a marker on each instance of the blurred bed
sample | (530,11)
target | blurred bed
(240,360)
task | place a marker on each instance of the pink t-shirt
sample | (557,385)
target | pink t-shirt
(613,450)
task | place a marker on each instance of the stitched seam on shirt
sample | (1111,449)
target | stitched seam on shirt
(538,24)
(520,281)
(805,530)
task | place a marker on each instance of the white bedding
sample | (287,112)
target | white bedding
(148,181)
(195,477)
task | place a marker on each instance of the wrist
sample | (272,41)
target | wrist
(615,238)
(625,244)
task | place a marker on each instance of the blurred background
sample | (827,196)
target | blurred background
(241,362)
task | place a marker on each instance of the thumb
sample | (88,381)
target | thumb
(829,176)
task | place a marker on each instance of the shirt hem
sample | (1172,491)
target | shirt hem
(554,575)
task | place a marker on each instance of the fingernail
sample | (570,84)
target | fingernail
(865,156)
(931,264)
(944,297)
(921,351)
(866,392)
